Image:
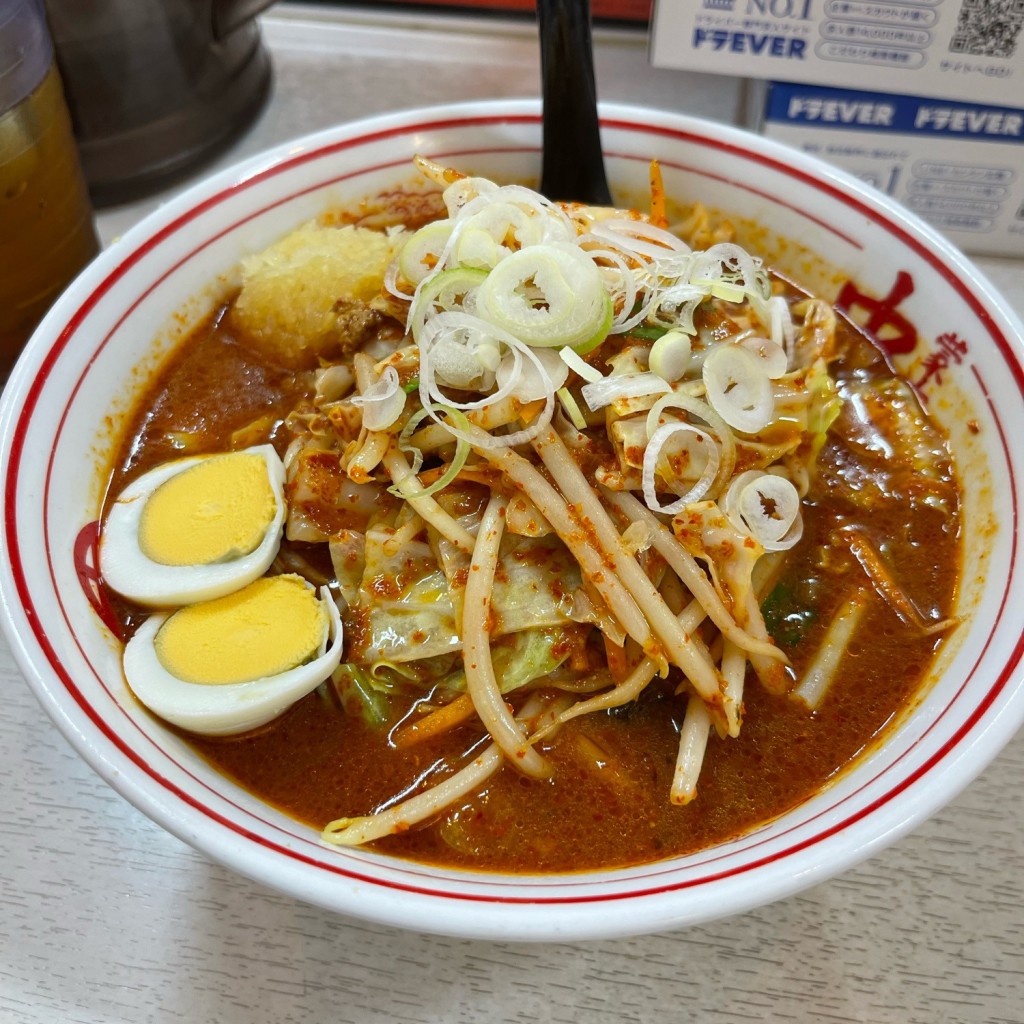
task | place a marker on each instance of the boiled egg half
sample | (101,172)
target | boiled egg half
(196,528)
(231,664)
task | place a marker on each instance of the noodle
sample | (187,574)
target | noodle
(623,693)
(592,561)
(693,741)
(476,646)
(693,577)
(357,831)
(403,477)
(406,532)
(589,512)
(820,673)
(402,816)
(770,671)
(367,455)
(734,669)
(426,507)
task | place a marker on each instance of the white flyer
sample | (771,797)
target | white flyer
(964,49)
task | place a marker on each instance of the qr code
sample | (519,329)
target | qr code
(988,28)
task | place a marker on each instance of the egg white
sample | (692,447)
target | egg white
(227,708)
(127,569)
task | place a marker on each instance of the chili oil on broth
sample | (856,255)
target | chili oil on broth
(606,803)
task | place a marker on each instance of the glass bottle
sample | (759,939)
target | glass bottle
(46,225)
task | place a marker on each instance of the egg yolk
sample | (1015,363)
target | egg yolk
(216,510)
(268,627)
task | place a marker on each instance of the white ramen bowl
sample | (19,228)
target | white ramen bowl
(64,404)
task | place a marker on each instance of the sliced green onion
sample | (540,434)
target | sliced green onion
(670,356)
(588,346)
(641,239)
(572,410)
(382,402)
(580,366)
(771,354)
(478,332)
(728,292)
(482,235)
(728,262)
(718,428)
(442,292)
(767,507)
(738,388)
(647,332)
(471,333)
(653,453)
(547,295)
(401,488)
(629,385)
(532,379)
(477,249)
(456,362)
(407,431)
(675,305)
(420,256)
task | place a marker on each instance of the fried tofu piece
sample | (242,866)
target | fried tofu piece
(304,295)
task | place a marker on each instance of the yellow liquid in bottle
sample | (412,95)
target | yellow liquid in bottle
(46,227)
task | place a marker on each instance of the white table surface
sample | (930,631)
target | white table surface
(105,917)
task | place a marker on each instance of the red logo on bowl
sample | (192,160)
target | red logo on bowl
(950,350)
(893,332)
(87,567)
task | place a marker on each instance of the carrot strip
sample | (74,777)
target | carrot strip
(434,724)
(885,585)
(658,216)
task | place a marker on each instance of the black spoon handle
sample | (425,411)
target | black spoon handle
(573,165)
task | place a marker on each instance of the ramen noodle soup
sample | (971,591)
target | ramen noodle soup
(505,534)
